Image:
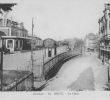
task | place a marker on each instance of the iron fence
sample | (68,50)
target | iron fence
(23,84)
(58,58)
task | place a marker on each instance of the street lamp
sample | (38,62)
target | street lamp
(55,48)
(1,63)
(32,54)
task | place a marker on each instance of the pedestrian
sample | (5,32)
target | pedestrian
(102,61)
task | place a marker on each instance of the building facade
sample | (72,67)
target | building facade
(51,45)
(104,34)
(13,33)
(91,42)
(37,42)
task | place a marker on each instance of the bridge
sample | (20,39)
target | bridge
(82,73)
(51,67)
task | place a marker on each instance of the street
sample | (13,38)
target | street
(79,74)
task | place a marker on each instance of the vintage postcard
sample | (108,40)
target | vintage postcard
(55,48)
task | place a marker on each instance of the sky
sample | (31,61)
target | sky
(59,19)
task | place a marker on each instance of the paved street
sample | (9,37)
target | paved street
(22,61)
(81,73)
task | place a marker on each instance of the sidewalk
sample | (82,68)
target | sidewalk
(100,72)
(82,73)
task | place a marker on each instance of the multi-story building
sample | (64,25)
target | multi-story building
(104,34)
(13,33)
(91,42)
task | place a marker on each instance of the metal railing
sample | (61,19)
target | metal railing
(58,58)
(23,84)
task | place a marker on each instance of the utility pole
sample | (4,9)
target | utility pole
(32,54)
(108,73)
(32,45)
(43,71)
(1,63)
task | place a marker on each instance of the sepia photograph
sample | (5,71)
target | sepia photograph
(55,46)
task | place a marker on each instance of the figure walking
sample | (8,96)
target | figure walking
(102,61)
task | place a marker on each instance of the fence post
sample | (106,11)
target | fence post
(16,84)
(52,62)
(43,72)
(45,51)
(1,67)
(1,61)
(108,73)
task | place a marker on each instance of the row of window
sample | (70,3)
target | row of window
(17,33)
(103,26)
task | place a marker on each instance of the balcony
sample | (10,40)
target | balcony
(105,48)
(104,37)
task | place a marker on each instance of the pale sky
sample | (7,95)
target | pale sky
(59,19)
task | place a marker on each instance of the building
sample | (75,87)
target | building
(104,34)
(51,45)
(91,42)
(12,33)
(37,42)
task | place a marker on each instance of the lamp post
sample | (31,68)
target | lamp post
(99,40)
(55,48)
(1,63)
(32,54)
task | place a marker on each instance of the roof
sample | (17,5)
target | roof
(13,23)
(15,37)
(30,36)
(49,39)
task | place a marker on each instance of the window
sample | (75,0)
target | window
(10,43)
(0,43)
